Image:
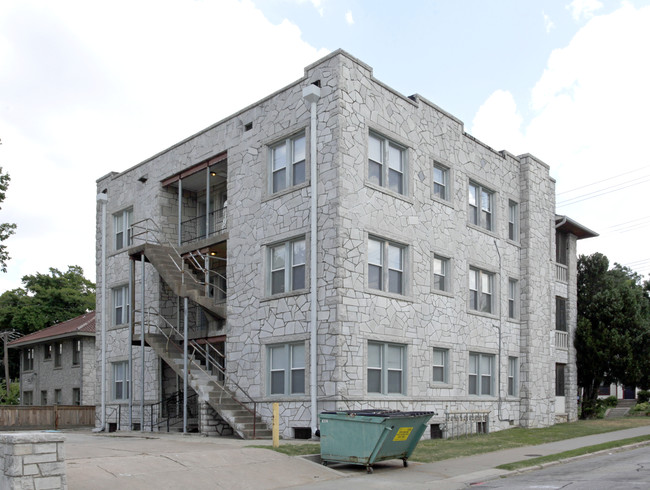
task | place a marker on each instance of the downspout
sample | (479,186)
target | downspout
(311,94)
(501,419)
(103,199)
(142,348)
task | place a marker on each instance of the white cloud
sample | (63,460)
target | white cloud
(86,89)
(348,17)
(549,25)
(589,122)
(584,8)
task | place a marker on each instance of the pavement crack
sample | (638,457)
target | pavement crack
(174,460)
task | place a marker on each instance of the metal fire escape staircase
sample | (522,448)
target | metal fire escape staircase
(206,374)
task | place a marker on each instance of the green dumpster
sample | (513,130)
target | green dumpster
(365,437)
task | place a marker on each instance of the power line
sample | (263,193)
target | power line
(602,192)
(601,181)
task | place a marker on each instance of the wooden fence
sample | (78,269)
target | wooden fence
(16,417)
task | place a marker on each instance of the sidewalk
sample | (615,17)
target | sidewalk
(173,461)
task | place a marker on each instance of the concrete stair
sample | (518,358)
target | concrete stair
(209,390)
(620,410)
(161,258)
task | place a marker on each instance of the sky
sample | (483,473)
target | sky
(89,87)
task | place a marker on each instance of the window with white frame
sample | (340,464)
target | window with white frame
(441,270)
(386,163)
(513,296)
(513,376)
(440,365)
(121,307)
(513,221)
(28,359)
(441,182)
(47,352)
(481,206)
(386,368)
(76,352)
(287,163)
(122,227)
(481,290)
(286,266)
(121,380)
(481,374)
(386,265)
(560,314)
(286,368)
(58,354)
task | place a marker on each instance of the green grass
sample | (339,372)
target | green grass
(431,450)
(570,454)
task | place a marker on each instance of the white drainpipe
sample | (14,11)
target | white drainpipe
(103,199)
(311,94)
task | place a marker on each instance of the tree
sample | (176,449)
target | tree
(613,333)
(6,229)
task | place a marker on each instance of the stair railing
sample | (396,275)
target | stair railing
(169,331)
(148,231)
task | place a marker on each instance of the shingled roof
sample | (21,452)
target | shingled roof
(81,326)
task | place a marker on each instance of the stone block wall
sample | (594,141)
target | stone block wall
(32,461)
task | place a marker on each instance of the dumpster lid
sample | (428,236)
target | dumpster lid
(379,413)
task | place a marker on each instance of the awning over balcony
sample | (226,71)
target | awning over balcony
(567,225)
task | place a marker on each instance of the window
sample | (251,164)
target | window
(386,163)
(386,368)
(76,352)
(28,398)
(28,359)
(43,398)
(513,296)
(386,266)
(513,221)
(121,380)
(58,354)
(441,280)
(560,314)
(441,182)
(559,380)
(287,369)
(121,298)
(481,206)
(561,245)
(57,397)
(287,266)
(513,376)
(288,163)
(122,226)
(47,352)
(481,286)
(76,396)
(481,374)
(440,365)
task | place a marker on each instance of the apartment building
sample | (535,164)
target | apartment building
(335,246)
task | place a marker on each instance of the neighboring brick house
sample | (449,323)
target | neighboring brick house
(57,364)
(445,280)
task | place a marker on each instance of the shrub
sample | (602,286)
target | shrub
(610,401)
(643,396)
(641,408)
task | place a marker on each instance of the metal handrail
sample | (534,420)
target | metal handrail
(139,229)
(196,348)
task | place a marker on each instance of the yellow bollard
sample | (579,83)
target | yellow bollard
(276,425)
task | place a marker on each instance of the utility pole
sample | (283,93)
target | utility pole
(8,336)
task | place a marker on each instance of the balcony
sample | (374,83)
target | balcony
(199,228)
(561,273)
(561,340)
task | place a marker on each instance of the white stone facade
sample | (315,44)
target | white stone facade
(353,210)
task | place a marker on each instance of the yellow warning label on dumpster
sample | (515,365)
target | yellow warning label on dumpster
(403,434)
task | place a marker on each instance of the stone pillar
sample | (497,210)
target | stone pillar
(33,460)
